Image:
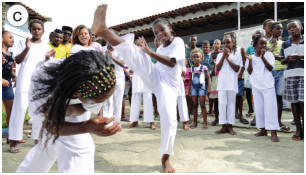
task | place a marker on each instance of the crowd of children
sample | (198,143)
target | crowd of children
(171,78)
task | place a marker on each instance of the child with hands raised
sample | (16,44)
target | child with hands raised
(259,66)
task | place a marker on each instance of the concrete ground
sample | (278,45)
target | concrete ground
(135,150)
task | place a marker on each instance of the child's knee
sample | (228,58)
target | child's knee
(203,106)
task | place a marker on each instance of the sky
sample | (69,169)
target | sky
(74,13)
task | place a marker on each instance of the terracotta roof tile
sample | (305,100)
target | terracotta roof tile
(32,13)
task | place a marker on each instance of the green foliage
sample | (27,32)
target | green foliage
(4,124)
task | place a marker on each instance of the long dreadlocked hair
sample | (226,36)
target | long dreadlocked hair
(164,21)
(232,35)
(89,73)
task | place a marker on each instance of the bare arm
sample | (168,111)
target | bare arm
(249,57)
(208,81)
(19,58)
(233,66)
(250,68)
(190,80)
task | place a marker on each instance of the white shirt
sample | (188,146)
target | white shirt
(120,76)
(261,78)
(77,47)
(228,78)
(172,75)
(36,54)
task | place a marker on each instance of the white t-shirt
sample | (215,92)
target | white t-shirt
(120,76)
(228,78)
(261,78)
(77,47)
(36,54)
(172,75)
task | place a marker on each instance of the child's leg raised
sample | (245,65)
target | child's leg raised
(203,107)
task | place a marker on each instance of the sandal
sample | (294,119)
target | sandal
(193,127)
(14,149)
(214,123)
(244,121)
(253,122)
(21,141)
(249,114)
(285,129)
(125,120)
(296,138)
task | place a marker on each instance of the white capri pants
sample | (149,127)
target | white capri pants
(147,107)
(74,154)
(227,104)
(182,108)
(166,97)
(265,105)
(19,110)
(114,107)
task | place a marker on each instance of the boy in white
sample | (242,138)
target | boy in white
(31,54)
(228,64)
(259,67)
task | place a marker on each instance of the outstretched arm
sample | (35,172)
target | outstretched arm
(99,28)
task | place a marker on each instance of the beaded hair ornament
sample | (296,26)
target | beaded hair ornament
(103,81)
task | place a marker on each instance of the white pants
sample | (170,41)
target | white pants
(182,108)
(147,107)
(166,97)
(114,107)
(19,109)
(265,105)
(74,154)
(227,104)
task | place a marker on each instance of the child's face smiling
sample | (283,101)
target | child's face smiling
(57,39)
(162,33)
(228,43)
(294,29)
(261,44)
(8,39)
(206,48)
(84,37)
(196,58)
(37,30)
(277,30)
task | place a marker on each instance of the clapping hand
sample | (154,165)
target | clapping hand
(49,54)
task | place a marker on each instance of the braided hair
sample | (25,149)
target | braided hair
(256,38)
(166,22)
(274,24)
(89,73)
(36,21)
(232,35)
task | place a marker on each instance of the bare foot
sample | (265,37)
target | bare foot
(222,130)
(120,128)
(134,124)
(186,128)
(166,164)
(153,127)
(230,130)
(274,137)
(262,132)
(99,25)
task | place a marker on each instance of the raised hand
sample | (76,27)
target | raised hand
(101,51)
(262,53)
(50,53)
(245,55)
(215,61)
(226,52)
(109,52)
(144,45)
(98,124)
(28,43)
